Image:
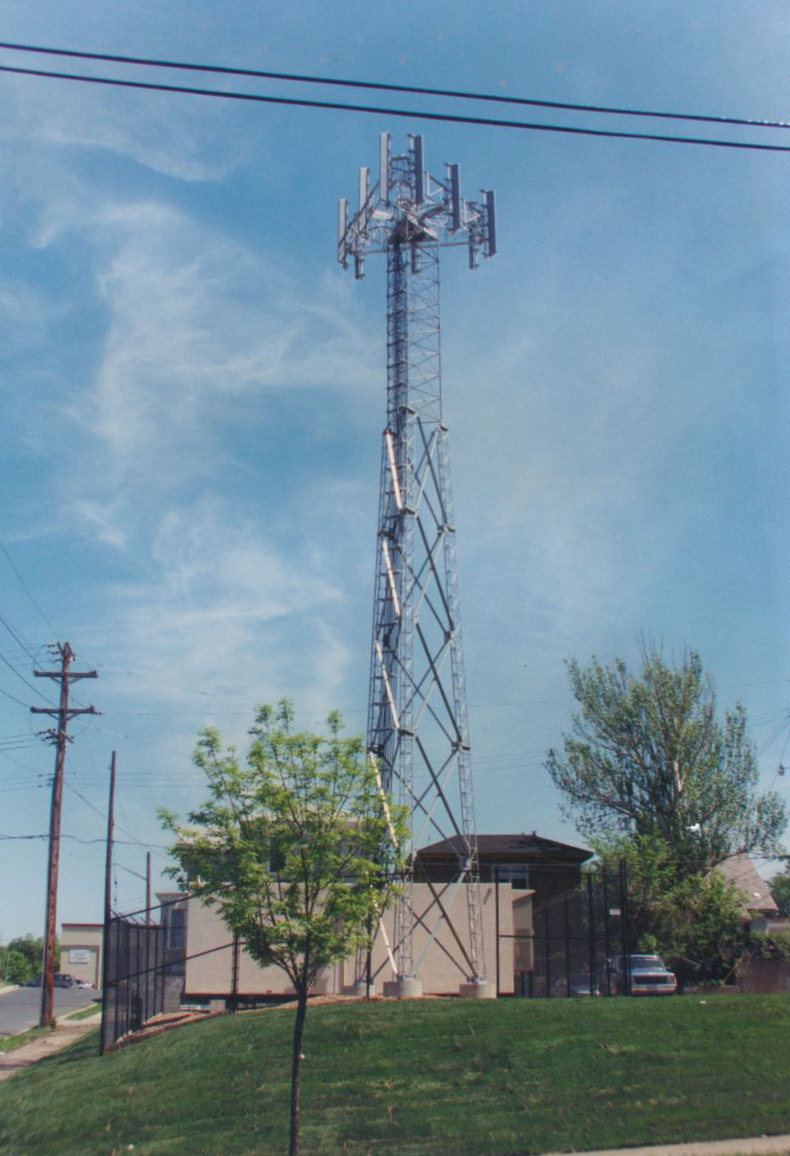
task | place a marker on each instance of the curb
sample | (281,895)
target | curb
(749,1146)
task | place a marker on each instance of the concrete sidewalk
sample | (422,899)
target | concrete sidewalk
(66,1032)
(752,1146)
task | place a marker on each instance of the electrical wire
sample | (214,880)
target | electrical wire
(411,114)
(74,838)
(16,762)
(17,638)
(21,580)
(117,826)
(29,685)
(14,699)
(378,86)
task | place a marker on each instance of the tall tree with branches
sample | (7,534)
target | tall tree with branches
(299,848)
(647,757)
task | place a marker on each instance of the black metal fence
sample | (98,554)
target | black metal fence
(564,948)
(574,937)
(143,973)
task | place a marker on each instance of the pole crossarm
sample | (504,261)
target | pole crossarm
(71,712)
(417,730)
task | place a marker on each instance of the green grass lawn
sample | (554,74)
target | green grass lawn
(85,1013)
(433,1078)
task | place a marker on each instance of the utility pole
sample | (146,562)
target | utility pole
(105,971)
(59,736)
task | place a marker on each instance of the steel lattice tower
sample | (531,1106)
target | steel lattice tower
(417,729)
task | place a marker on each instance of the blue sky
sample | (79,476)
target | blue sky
(192,391)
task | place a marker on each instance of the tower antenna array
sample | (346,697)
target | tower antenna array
(418,733)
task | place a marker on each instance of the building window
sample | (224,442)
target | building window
(516,874)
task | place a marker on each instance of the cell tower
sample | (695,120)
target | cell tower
(417,728)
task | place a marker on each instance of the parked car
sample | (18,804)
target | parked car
(648,975)
(34,982)
(580,985)
(63,979)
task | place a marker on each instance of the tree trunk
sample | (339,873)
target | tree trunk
(296,1070)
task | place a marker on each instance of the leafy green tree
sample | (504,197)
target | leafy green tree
(647,757)
(780,889)
(775,946)
(695,921)
(23,958)
(299,849)
(16,967)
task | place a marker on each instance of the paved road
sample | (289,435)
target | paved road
(20,1007)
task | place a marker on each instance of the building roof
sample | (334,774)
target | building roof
(525,848)
(740,871)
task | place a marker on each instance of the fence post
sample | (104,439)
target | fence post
(234,979)
(624,929)
(548,950)
(119,926)
(137,1006)
(606,944)
(567,949)
(128,1000)
(496,928)
(105,983)
(147,1011)
(591,935)
(155,970)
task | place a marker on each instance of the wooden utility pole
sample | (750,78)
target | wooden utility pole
(65,676)
(106,946)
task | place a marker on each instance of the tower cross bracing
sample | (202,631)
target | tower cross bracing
(418,731)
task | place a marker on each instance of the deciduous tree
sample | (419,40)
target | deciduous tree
(780,889)
(298,848)
(646,756)
(695,921)
(23,958)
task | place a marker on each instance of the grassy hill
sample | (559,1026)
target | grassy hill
(419,1079)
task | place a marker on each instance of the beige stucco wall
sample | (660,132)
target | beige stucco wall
(523,947)
(81,951)
(442,970)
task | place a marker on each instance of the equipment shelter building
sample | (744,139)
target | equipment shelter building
(516,871)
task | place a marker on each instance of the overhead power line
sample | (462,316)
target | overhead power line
(22,678)
(13,698)
(16,637)
(410,114)
(22,583)
(75,838)
(379,86)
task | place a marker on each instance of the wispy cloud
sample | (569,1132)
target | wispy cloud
(218,607)
(197,322)
(184,140)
